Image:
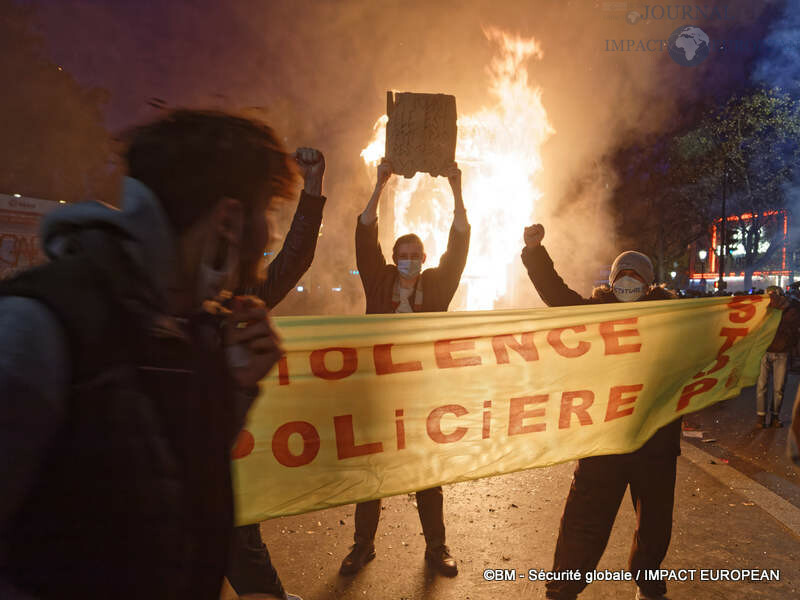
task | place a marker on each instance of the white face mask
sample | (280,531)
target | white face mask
(409,268)
(628,289)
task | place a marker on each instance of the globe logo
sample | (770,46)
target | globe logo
(633,17)
(688,45)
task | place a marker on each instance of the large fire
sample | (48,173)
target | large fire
(498,151)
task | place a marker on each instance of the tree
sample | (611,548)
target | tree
(54,143)
(752,146)
(662,212)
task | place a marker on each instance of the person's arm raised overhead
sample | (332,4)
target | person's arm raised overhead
(297,253)
(543,275)
(369,256)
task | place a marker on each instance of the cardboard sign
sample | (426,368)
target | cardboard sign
(421,133)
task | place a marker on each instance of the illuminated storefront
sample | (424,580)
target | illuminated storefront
(773,266)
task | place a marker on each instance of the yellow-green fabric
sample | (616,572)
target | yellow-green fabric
(369,406)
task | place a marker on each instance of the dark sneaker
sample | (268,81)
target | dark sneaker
(762,422)
(440,559)
(360,555)
(776,421)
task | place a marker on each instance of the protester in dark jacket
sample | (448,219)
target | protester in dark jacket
(599,482)
(297,252)
(118,407)
(251,570)
(776,359)
(403,287)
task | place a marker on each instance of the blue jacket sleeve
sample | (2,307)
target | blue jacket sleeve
(34,383)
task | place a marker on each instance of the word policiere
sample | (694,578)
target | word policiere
(525,412)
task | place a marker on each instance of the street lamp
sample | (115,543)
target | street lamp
(702,255)
(723,228)
(673,274)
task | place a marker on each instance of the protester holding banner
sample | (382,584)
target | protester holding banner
(403,287)
(599,482)
(251,570)
(118,406)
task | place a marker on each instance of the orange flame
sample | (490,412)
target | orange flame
(498,151)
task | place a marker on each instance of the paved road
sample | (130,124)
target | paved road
(758,453)
(723,520)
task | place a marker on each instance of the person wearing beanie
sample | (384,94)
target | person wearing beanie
(599,482)
(775,361)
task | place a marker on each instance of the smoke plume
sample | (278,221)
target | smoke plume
(318,72)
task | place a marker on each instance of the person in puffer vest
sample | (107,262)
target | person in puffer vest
(118,404)
(599,482)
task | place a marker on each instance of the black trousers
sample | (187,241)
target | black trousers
(597,489)
(430,505)
(250,570)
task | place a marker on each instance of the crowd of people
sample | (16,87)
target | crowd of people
(131,358)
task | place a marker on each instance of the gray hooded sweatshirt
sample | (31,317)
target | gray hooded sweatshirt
(34,358)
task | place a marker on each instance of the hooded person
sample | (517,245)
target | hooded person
(119,402)
(599,482)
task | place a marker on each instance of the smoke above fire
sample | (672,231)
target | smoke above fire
(319,75)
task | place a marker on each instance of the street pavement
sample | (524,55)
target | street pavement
(758,453)
(736,509)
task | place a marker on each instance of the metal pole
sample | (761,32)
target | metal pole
(723,228)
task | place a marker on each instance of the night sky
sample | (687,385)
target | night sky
(318,72)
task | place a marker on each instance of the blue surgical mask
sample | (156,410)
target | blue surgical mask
(409,268)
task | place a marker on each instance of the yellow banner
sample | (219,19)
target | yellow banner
(369,406)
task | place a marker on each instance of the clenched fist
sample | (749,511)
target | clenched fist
(453,174)
(311,163)
(385,172)
(534,235)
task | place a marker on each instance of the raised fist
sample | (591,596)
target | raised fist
(311,163)
(453,174)
(385,171)
(534,235)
